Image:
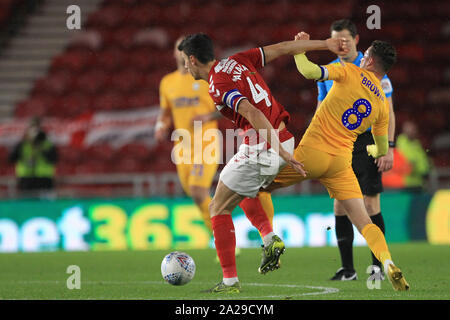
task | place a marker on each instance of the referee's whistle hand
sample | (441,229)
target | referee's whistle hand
(386,162)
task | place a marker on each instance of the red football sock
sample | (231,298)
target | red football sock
(225,240)
(255,213)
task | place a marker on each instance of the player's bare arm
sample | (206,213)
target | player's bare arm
(386,162)
(259,122)
(309,69)
(271,52)
(305,36)
(163,124)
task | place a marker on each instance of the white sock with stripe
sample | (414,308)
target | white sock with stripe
(230,281)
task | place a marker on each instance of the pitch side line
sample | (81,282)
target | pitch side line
(321,290)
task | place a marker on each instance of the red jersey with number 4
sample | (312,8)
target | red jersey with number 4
(236,78)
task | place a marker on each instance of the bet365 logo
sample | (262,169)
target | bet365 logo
(374,280)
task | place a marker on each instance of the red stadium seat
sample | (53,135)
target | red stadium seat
(124,37)
(144,15)
(37,105)
(141,59)
(90,167)
(125,80)
(111,58)
(126,164)
(108,100)
(6,9)
(91,81)
(73,61)
(110,17)
(4,155)
(142,98)
(411,52)
(71,105)
(151,80)
(103,153)
(134,150)
(56,83)
(70,154)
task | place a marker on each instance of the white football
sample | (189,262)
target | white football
(178,268)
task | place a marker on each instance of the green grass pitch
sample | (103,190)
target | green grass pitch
(304,275)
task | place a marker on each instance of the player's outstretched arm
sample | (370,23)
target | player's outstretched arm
(259,122)
(309,69)
(271,52)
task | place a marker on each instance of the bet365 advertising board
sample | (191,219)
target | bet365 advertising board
(162,223)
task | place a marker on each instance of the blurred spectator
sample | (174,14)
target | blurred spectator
(35,157)
(410,147)
(396,177)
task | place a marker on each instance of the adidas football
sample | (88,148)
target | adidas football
(177,268)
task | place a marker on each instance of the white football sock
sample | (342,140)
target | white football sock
(230,281)
(267,238)
(387,262)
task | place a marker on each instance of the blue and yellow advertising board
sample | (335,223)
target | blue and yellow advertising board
(175,223)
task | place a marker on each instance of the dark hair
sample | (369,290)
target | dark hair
(198,45)
(384,53)
(344,24)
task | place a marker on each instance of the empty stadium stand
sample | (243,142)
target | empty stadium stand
(124,48)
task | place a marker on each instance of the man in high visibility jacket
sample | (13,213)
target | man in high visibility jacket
(411,148)
(35,157)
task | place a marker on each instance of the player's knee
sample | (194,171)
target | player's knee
(215,208)
(218,208)
(339,209)
(198,194)
(212,208)
(372,205)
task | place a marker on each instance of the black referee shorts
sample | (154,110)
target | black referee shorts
(364,166)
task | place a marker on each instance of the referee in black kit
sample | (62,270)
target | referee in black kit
(367,169)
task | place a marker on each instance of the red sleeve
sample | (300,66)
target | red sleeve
(224,93)
(255,56)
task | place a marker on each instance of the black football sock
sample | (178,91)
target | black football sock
(344,235)
(379,222)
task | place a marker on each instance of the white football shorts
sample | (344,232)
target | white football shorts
(252,167)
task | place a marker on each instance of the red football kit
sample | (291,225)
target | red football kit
(237,78)
(231,81)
